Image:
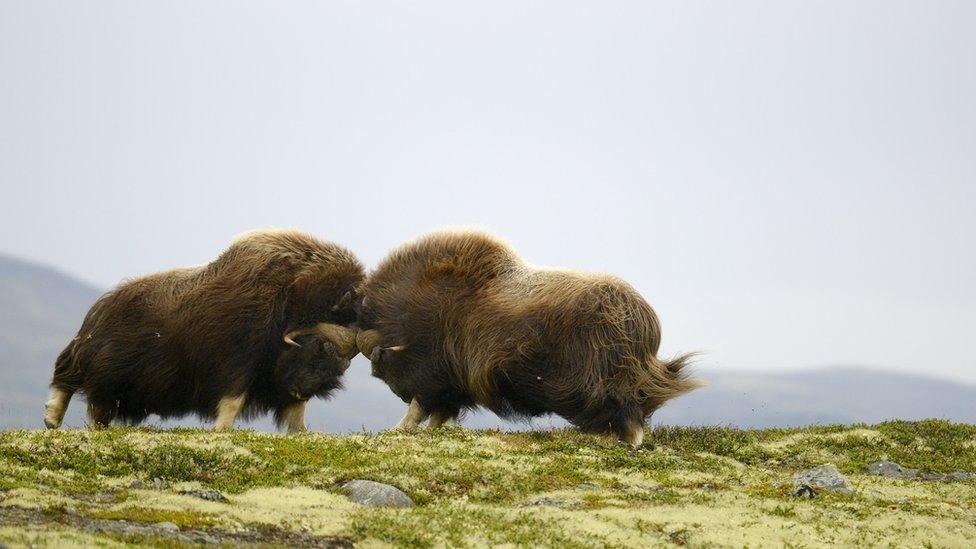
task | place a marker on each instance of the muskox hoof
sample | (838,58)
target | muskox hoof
(51,424)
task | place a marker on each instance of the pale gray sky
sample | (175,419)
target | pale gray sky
(790,184)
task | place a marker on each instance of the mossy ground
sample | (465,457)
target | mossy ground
(696,487)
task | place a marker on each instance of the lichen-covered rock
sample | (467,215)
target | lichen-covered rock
(804,491)
(209,495)
(826,477)
(890,469)
(376,494)
(961,476)
(546,501)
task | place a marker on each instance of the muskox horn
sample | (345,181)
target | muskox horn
(343,338)
(288,338)
(367,340)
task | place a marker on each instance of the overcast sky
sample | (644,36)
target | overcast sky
(790,184)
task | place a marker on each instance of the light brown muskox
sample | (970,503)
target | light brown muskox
(455,320)
(265,326)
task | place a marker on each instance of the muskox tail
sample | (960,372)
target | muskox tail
(661,380)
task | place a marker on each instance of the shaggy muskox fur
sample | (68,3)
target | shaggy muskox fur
(262,327)
(456,320)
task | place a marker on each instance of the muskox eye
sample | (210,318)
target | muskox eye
(328,347)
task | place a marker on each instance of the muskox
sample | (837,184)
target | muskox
(264,327)
(456,320)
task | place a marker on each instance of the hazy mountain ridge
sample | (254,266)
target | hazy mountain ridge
(41,308)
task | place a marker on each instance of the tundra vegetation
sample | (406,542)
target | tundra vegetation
(697,487)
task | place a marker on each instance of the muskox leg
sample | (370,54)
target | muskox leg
(439,418)
(100,415)
(414,417)
(55,407)
(293,416)
(228,409)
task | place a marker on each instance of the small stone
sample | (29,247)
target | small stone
(137,485)
(546,501)
(205,539)
(376,494)
(588,486)
(826,476)
(105,497)
(804,491)
(961,476)
(158,484)
(168,526)
(209,495)
(890,469)
(936,477)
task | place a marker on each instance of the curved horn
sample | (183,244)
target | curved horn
(344,338)
(289,338)
(366,340)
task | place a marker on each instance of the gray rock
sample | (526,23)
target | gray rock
(546,501)
(167,526)
(376,494)
(158,484)
(588,486)
(105,497)
(936,477)
(209,495)
(960,476)
(203,537)
(137,485)
(804,491)
(890,469)
(826,476)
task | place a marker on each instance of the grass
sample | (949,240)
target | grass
(698,486)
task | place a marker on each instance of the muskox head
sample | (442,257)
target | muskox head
(314,360)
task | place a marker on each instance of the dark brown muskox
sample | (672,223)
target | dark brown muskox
(262,327)
(456,320)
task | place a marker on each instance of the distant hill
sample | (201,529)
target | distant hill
(829,395)
(41,308)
